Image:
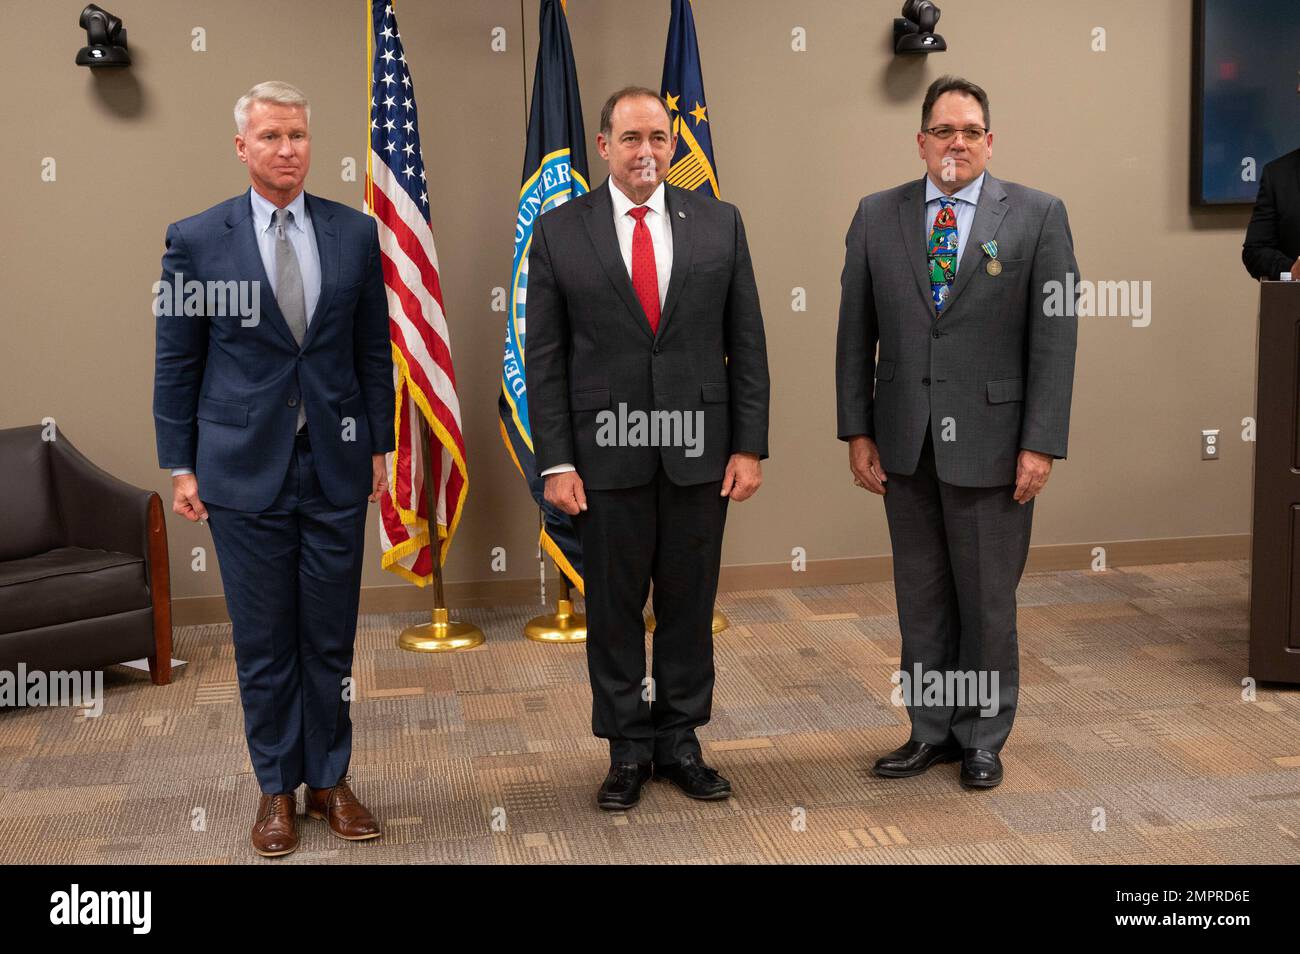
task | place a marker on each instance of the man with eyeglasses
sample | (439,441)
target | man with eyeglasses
(957,422)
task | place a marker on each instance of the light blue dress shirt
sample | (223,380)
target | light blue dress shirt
(301,236)
(967,198)
(303,239)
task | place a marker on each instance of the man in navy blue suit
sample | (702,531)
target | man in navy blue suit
(274,420)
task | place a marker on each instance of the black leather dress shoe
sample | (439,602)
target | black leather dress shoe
(695,778)
(622,786)
(981,768)
(914,758)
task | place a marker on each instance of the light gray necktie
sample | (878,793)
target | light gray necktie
(288,287)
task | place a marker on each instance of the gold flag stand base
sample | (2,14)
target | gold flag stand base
(720,622)
(562,626)
(440,635)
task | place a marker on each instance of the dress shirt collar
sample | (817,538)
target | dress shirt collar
(968,193)
(622,203)
(263,209)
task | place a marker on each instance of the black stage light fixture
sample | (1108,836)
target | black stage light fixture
(105,39)
(914,31)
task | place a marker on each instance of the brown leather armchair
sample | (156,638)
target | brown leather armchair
(84,578)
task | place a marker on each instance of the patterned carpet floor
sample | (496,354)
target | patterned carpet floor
(1133,744)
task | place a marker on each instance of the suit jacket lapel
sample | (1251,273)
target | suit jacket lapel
(911,220)
(327,247)
(988,216)
(677,206)
(248,263)
(600,228)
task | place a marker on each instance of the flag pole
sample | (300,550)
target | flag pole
(442,633)
(683,74)
(564,625)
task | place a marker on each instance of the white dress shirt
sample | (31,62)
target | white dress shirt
(661,237)
(661,232)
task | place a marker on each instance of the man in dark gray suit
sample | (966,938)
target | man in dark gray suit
(958,420)
(648,390)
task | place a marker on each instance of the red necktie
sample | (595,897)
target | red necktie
(645,276)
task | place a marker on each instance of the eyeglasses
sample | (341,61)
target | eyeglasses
(972,134)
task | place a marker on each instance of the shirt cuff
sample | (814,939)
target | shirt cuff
(181,471)
(558,469)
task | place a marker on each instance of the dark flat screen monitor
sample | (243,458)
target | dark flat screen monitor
(1246,65)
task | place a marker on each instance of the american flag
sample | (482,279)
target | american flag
(397,196)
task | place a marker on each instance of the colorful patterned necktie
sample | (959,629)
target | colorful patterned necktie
(645,275)
(942,252)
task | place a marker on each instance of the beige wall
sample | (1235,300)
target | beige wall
(799,138)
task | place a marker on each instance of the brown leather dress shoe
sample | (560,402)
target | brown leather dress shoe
(275,832)
(347,817)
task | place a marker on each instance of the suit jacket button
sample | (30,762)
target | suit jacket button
(938,334)
(925,381)
(293,402)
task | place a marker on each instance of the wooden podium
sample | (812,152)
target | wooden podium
(1275,549)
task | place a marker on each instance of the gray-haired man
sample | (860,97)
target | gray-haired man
(275,428)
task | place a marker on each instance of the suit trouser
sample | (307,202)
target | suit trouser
(959,553)
(292,579)
(673,536)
